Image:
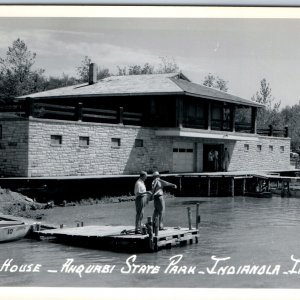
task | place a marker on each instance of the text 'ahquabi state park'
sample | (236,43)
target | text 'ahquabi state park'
(218,266)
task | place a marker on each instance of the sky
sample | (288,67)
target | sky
(241,51)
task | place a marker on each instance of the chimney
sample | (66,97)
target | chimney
(92,73)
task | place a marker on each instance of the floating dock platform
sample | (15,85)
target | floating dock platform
(120,238)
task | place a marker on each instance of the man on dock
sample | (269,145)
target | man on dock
(141,197)
(158,197)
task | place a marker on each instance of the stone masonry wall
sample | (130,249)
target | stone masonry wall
(256,159)
(26,150)
(14,147)
(100,157)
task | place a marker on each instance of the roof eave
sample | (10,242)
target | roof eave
(101,95)
(225,100)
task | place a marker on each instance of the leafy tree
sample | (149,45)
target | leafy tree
(83,71)
(57,82)
(17,76)
(167,65)
(122,71)
(291,116)
(138,69)
(216,82)
(269,115)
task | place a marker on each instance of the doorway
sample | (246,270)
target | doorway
(212,157)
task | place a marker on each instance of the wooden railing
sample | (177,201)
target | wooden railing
(78,112)
(244,127)
(271,131)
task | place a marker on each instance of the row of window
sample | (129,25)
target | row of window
(259,148)
(84,141)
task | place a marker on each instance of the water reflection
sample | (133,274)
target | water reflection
(249,230)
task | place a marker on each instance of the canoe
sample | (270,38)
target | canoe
(13,230)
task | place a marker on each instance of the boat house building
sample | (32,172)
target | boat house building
(124,124)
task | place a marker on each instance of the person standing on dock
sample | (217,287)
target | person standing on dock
(158,197)
(226,159)
(141,197)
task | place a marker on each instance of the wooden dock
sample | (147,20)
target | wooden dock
(120,238)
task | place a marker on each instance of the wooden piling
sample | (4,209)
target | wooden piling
(156,226)
(197,215)
(208,187)
(149,227)
(189,217)
(61,226)
(81,224)
(244,186)
(180,185)
(232,187)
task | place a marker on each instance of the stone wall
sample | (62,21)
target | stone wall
(26,150)
(253,158)
(13,147)
(101,157)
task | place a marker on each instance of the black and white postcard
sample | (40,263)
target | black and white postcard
(149,147)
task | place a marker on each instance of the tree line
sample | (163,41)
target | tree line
(18,76)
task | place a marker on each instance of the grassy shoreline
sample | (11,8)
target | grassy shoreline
(16,204)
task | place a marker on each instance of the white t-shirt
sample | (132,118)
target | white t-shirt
(139,187)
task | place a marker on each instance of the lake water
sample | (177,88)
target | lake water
(250,231)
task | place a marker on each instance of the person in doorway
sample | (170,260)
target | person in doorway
(216,160)
(158,197)
(141,199)
(211,160)
(226,159)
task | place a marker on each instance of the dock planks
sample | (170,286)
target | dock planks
(120,238)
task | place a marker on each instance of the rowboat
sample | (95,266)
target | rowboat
(13,230)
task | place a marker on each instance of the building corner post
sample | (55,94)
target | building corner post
(254,120)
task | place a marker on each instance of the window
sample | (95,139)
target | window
(271,148)
(56,140)
(246,147)
(281,149)
(175,149)
(259,147)
(139,143)
(84,141)
(115,143)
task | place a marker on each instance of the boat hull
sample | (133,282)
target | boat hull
(10,233)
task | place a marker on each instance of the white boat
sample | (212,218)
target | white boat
(13,230)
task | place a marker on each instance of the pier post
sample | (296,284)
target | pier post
(232,187)
(189,217)
(156,226)
(149,227)
(208,187)
(197,215)
(244,186)
(180,185)
(61,226)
